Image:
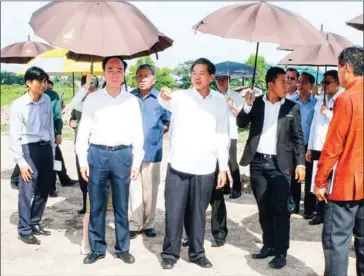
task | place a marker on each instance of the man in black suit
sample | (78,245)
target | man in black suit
(275,143)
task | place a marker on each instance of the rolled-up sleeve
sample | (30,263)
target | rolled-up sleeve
(223,139)
(84,131)
(137,135)
(15,135)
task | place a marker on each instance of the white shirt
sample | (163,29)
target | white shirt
(77,102)
(320,123)
(200,131)
(291,96)
(111,121)
(268,139)
(238,103)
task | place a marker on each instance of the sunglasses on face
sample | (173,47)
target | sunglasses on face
(291,78)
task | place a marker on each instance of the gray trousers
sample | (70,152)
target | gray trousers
(342,220)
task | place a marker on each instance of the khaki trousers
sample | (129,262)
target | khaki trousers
(143,194)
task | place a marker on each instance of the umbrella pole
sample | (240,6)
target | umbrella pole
(73,83)
(325,88)
(255,65)
(317,74)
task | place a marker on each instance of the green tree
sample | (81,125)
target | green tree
(11,78)
(261,65)
(183,72)
(163,75)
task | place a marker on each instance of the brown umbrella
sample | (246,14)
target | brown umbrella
(163,43)
(23,52)
(330,37)
(259,22)
(357,22)
(95,28)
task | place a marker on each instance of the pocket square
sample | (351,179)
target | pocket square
(289,115)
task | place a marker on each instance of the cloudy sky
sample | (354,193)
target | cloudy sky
(175,19)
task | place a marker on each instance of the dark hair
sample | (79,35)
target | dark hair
(311,78)
(355,57)
(50,82)
(272,74)
(106,60)
(210,66)
(35,73)
(146,66)
(83,80)
(332,73)
(294,70)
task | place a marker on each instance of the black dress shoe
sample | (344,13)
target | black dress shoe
(150,233)
(265,252)
(133,234)
(278,261)
(218,243)
(185,242)
(235,194)
(203,262)
(53,194)
(93,257)
(308,216)
(69,183)
(168,263)
(316,220)
(82,211)
(126,257)
(14,185)
(39,230)
(30,239)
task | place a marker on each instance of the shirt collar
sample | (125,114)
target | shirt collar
(310,98)
(122,91)
(209,96)
(28,99)
(280,102)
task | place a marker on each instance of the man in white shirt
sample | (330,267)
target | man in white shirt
(275,140)
(235,102)
(319,127)
(200,139)
(292,76)
(112,124)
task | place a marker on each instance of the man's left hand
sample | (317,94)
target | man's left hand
(320,194)
(58,139)
(324,109)
(134,173)
(300,174)
(221,180)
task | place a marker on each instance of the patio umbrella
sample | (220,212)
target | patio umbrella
(259,22)
(330,37)
(95,28)
(357,22)
(234,70)
(163,43)
(22,52)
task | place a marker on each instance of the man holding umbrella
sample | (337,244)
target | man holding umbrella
(112,124)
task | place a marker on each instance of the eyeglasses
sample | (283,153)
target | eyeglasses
(291,78)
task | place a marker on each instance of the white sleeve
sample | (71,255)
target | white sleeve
(77,99)
(223,138)
(137,135)
(84,131)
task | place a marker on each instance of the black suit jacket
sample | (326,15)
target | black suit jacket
(290,143)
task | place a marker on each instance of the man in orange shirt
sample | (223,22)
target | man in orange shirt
(344,212)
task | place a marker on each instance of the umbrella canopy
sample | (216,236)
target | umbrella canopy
(234,70)
(95,28)
(330,37)
(357,22)
(260,22)
(314,55)
(55,63)
(163,43)
(22,52)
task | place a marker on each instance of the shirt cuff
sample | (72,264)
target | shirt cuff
(22,163)
(83,160)
(301,166)
(247,108)
(137,163)
(223,166)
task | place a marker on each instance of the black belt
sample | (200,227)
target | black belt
(41,143)
(265,156)
(110,148)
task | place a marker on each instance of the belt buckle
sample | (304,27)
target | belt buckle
(43,143)
(111,148)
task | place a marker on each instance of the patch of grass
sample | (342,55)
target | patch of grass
(4,128)
(9,93)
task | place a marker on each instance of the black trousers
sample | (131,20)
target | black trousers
(187,197)
(342,220)
(82,183)
(320,205)
(271,189)
(234,166)
(40,159)
(310,198)
(62,175)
